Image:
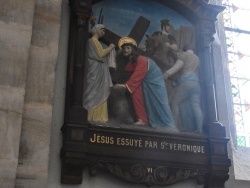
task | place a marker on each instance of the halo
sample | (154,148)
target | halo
(126,40)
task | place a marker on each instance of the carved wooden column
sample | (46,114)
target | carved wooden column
(219,162)
(80,13)
(75,115)
(206,37)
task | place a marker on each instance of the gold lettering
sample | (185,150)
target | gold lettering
(140,143)
(150,170)
(112,140)
(127,142)
(175,146)
(194,149)
(130,142)
(118,141)
(102,139)
(122,141)
(150,144)
(179,147)
(93,139)
(184,147)
(162,145)
(167,145)
(202,149)
(136,142)
(98,139)
(198,149)
(155,144)
(171,146)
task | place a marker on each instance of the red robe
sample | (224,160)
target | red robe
(134,85)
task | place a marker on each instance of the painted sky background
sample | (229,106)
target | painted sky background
(121,15)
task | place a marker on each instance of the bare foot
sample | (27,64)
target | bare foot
(139,122)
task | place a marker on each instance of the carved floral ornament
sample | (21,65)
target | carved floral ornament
(151,175)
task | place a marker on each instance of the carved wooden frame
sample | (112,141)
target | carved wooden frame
(209,166)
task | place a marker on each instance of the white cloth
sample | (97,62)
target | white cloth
(111,59)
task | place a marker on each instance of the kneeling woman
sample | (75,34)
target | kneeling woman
(146,86)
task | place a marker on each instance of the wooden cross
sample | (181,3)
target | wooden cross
(137,32)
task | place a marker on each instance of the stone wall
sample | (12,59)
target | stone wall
(38,105)
(29,37)
(16,23)
(33,57)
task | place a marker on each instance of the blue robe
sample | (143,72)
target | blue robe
(156,98)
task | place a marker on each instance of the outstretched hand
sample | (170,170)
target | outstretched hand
(111,46)
(120,85)
(166,75)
